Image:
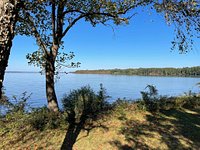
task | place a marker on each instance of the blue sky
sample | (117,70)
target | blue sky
(145,42)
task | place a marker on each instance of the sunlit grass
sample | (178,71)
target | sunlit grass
(170,129)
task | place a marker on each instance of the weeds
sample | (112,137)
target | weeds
(153,102)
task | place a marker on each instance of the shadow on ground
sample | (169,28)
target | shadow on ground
(75,128)
(171,129)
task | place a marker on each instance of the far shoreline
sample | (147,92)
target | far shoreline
(157,72)
(133,75)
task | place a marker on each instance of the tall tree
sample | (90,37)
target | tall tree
(8,17)
(50,20)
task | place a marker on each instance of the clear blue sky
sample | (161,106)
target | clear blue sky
(145,42)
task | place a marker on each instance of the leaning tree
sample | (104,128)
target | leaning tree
(8,17)
(49,21)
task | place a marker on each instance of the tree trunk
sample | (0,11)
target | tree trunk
(50,87)
(8,15)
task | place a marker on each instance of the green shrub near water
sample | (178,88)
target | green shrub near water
(153,102)
(42,118)
(150,98)
(18,114)
(85,102)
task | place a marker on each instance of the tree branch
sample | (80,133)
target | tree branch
(53,20)
(60,19)
(72,23)
(29,21)
(70,11)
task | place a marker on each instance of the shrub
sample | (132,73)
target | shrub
(16,104)
(150,98)
(192,102)
(152,102)
(102,97)
(84,102)
(42,118)
(20,104)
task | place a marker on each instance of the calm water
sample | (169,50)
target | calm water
(118,86)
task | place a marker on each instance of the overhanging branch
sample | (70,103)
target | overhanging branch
(29,21)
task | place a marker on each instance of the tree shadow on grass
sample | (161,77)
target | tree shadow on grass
(187,124)
(176,129)
(75,128)
(84,108)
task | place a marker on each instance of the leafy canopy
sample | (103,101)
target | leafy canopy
(50,20)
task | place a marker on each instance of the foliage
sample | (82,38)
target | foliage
(16,104)
(85,102)
(3,102)
(82,101)
(42,118)
(102,97)
(122,103)
(150,98)
(192,102)
(15,113)
(187,71)
(153,102)
(18,112)
(37,59)
(184,16)
(49,21)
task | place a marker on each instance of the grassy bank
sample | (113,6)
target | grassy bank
(154,122)
(171,129)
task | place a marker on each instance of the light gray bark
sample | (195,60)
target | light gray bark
(8,15)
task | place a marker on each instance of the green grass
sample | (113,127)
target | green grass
(127,128)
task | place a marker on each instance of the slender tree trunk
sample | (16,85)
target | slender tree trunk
(8,15)
(50,87)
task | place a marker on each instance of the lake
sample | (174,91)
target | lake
(117,86)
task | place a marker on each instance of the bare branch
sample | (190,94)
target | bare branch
(73,23)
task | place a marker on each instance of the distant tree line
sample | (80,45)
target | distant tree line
(186,71)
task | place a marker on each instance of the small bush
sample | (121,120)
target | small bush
(141,105)
(16,104)
(150,98)
(152,102)
(84,102)
(102,97)
(123,103)
(42,118)
(14,111)
(192,102)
